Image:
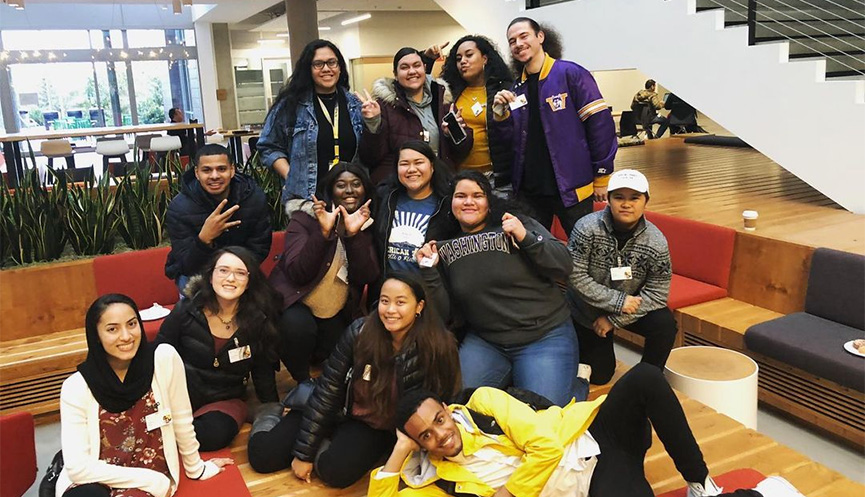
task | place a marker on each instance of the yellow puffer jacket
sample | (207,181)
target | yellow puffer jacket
(540,437)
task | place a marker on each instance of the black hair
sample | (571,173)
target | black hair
(409,403)
(172,111)
(495,69)
(402,52)
(300,83)
(325,185)
(441,175)
(650,83)
(259,298)
(212,149)
(552,44)
(497,205)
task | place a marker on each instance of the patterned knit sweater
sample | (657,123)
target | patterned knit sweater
(593,293)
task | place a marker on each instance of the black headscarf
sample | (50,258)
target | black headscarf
(111,393)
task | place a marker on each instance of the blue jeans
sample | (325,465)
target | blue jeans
(547,366)
(181,282)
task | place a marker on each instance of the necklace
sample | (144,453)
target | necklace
(227,322)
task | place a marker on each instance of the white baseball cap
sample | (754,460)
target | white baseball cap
(629,178)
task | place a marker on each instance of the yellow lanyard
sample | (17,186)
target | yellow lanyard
(335,125)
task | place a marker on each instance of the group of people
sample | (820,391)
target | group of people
(434,198)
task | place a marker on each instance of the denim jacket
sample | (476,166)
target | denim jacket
(299,146)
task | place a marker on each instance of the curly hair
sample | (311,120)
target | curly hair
(300,82)
(495,69)
(552,44)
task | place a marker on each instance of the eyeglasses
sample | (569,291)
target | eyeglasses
(318,65)
(239,274)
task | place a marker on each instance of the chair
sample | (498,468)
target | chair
(113,148)
(55,149)
(18,446)
(627,124)
(643,115)
(164,146)
(142,142)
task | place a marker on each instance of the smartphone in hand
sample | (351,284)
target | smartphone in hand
(458,134)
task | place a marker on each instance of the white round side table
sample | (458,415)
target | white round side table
(723,379)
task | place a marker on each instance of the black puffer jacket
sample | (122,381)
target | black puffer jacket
(190,208)
(331,398)
(211,377)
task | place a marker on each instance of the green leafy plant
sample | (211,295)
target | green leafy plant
(271,183)
(32,218)
(142,206)
(93,217)
(174,169)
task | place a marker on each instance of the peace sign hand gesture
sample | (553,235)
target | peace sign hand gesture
(327,220)
(354,222)
(369,107)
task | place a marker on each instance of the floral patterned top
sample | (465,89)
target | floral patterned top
(125,441)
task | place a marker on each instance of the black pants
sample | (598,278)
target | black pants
(545,207)
(355,449)
(658,327)
(88,490)
(640,400)
(307,339)
(214,430)
(664,124)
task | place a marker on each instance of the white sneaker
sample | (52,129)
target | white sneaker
(706,489)
(584,371)
(775,486)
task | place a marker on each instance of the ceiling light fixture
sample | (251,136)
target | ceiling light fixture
(282,35)
(271,42)
(324,28)
(359,18)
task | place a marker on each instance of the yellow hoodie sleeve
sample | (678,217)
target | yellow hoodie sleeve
(524,427)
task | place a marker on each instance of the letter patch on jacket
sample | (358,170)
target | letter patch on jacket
(557,102)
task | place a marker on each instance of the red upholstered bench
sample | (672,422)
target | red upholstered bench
(140,275)
(702,255)
(18,449)
(229,482)
(737,479)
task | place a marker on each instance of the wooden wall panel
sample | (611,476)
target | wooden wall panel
(770,273)
(45,299)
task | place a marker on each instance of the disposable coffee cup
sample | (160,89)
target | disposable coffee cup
(750,220)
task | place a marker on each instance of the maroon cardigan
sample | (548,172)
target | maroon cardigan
(308,255)
(400,124)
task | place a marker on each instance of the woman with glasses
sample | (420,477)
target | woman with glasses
(314,122)
(224,330)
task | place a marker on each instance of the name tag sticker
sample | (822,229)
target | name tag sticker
(239,354)
(620,273)
(157,420)
(477,108)
(519,102)
(425,135)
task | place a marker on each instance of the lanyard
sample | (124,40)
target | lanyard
(334,123)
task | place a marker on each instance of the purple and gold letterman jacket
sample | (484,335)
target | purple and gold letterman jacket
(578,126)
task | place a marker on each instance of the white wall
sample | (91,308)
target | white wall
(786,110)
(207,75)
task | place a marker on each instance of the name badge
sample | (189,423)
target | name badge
(425,135)
(519,102)
(477,108)
(367,373)
(239,354)
(157,420)
(620,273)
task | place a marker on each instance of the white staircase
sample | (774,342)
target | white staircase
(785,109)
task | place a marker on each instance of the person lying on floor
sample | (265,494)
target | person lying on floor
(496,445)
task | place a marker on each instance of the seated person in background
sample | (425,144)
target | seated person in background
(114,437)
(216,207)
(650,98)
(225,330)
(496,445)
(328,259)
(621,278)
(347,426)
(501,274)
(175,116)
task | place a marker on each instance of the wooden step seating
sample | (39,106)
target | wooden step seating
(769,280)
(726,445)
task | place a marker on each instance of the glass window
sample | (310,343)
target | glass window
(189,36)
(61,94)
(152,91)
(140,38)
(44,40)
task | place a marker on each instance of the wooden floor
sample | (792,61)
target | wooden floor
(715,184)
(726,445)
